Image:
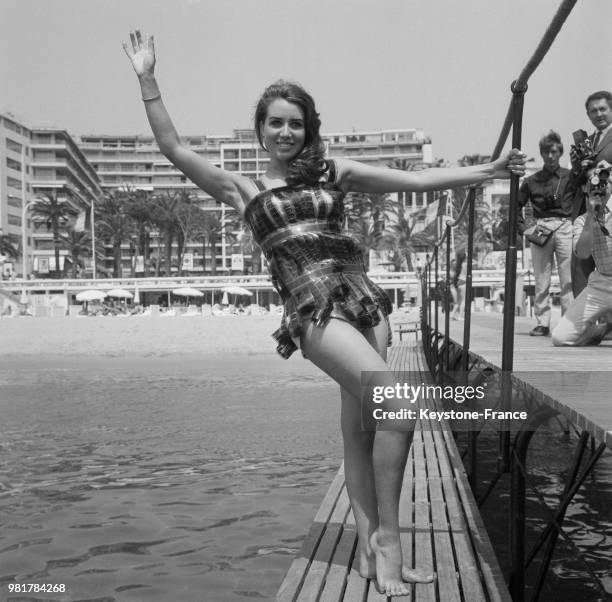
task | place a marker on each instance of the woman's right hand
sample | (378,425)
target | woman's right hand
(142,53)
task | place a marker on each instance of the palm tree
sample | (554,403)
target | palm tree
(399,240)
(210,228)
(8,246)
(78,244)
(250,247)
(366,215)
(114,226)
(55,212)
(165,208)
(138,207)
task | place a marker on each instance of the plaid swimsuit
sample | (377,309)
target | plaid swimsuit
(315,268)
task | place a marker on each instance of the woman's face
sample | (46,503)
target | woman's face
(283,132)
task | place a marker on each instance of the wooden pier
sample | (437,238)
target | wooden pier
(575,381)
(441,527)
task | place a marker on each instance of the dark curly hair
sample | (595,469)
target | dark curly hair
(310,164)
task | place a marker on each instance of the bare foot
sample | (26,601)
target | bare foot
(388,554)
(367,568)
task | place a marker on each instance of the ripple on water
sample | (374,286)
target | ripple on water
(153,485)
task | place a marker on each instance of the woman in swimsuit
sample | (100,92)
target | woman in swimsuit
(333,312)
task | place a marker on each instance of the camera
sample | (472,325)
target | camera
(585,153)
(597,181)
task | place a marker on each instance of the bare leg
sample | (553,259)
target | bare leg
(359,478)
(359,471)
(374,471)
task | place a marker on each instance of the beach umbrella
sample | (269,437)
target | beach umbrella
(90,295)
(187,292)
(236,290)
(120,293)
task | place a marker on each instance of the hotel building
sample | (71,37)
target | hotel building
(135,162)
(36,163)
(14,183)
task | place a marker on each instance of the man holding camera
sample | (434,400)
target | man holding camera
(593,148)
(551,236)
(591,236)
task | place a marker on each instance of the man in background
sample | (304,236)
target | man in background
(551,236)
(592,237)
(599,147)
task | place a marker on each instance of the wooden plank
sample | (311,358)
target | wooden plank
(342,508)
(436,517)
(295,575)
(587,407)
(469,573)
(329,501)
(491,571)
(448,587)
(356,586)
(317,571)
(320,565)
(335,583)
(406,514)
(422,525)
(469,564)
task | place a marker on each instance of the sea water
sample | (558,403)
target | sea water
(165,479)
(195,480)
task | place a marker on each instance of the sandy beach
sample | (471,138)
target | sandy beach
(141,336)
(147,336)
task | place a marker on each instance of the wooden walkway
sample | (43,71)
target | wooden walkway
(441,527)
(576,381)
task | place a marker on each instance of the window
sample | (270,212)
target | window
(14,201)
(14,220)
(11,125)
(44,138)
(44,173)
(13,164)
(43,245)
(13,183)
(43,155)
(12,145)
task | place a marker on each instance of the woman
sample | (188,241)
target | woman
(333,312)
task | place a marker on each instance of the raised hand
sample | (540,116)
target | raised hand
(141,53)
(513,164)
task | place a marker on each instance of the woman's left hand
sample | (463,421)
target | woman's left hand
(512,164)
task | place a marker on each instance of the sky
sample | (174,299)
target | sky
(443,66)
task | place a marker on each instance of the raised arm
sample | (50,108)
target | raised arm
(359,177)
(220,184)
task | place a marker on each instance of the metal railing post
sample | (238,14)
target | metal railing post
(447,302)
(510,280)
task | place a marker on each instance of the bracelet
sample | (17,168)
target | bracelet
(152,98)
